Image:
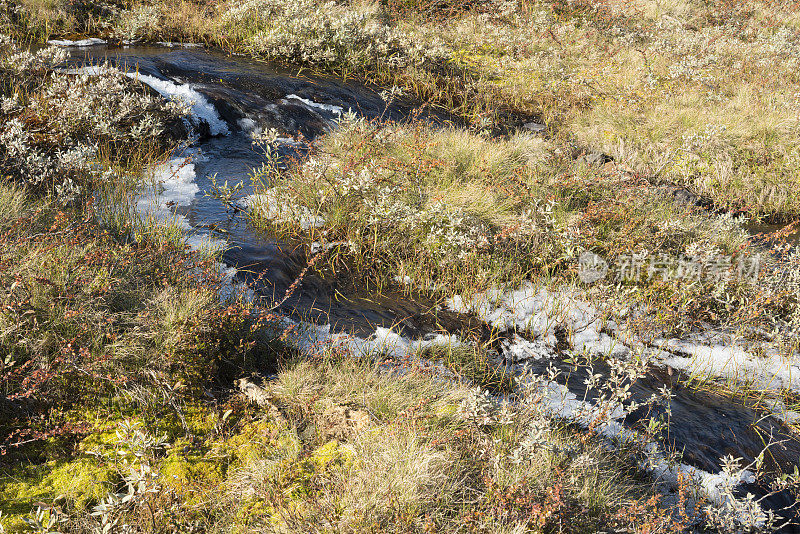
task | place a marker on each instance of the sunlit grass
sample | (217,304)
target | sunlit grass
(106,312)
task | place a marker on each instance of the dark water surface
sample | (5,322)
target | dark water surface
(243,89)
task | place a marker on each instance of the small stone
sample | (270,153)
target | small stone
(535,127)
(597,158)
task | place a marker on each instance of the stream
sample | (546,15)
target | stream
(247,96)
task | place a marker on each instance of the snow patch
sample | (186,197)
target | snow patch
(771,372)
(172,186)
(206,242)
(519,349)
(66,43)
(170,44)
(539,312)
(336,110)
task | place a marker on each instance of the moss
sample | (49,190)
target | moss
(193,476)
(99,442)
(200,419)
(446,411)
(258,440)
(326,454)
(82,481)
(251,510)
(300,476)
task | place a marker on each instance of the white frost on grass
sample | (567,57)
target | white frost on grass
(83,43)
(336,110)
(272,206)
(202,109)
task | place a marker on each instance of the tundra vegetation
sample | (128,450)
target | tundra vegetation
(652,127)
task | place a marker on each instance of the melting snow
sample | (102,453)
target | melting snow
(173,186)
(771,372)
(206,242)
(66,43)
(170,44)
(538,312)
(311,339)
(520,349)
(336,110)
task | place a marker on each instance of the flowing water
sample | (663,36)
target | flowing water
(249,95)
